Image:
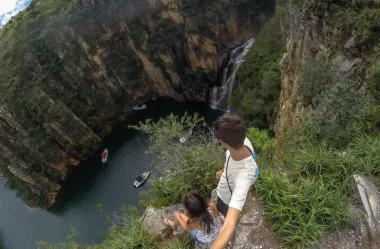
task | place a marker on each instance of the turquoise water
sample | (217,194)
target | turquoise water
(93,183)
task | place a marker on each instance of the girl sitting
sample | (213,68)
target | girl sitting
(199,219)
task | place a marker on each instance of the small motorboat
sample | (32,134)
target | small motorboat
(182,140)
(139,107)
(104,155)
(141,179)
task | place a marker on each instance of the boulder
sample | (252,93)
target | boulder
(370,197)
(154,222)
(350,43)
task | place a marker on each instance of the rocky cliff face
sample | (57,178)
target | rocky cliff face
(332,29)
(70,69)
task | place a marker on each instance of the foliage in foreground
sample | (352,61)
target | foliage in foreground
(300,211)
(181,167)
(319,182)
(130,234)
(262,143)
(313,195)
(306,187)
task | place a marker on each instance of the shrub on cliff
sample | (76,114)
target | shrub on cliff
(340,110)
(181,167)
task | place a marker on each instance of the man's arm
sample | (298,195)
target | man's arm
(238,198)
(228,229)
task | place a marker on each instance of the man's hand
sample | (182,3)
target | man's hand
(227,230)
(219,173)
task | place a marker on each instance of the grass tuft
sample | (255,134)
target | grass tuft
(301,211)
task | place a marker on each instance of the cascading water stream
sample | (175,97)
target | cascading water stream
(221,95)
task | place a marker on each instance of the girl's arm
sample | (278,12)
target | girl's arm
(213,209)
(182,219)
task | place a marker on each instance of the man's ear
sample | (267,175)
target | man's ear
(223,143)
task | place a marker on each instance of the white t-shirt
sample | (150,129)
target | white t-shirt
(241,175)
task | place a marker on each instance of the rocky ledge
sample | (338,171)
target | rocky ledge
(254,231)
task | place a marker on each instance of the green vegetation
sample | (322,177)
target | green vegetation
(316,76)
(300,211)
(312,196)
(373,77)
(184,167)
(256,98)
(307,184)
(340,112)
(347,18)
(259,79)
(166,36)
(131,235)
(306,180)
(262,143)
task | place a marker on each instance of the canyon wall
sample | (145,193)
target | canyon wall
(344,35)
(70,69)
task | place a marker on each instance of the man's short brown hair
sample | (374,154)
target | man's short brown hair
(231,129)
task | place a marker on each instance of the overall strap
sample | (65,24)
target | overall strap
(228,160)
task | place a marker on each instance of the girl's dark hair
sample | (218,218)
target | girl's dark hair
(197,207)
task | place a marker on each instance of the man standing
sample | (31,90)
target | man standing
(239,173)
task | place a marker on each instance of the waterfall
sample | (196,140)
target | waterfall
(221,95)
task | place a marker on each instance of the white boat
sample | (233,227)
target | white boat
(104,156)
(184,139)
(139,107)
(141,179)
